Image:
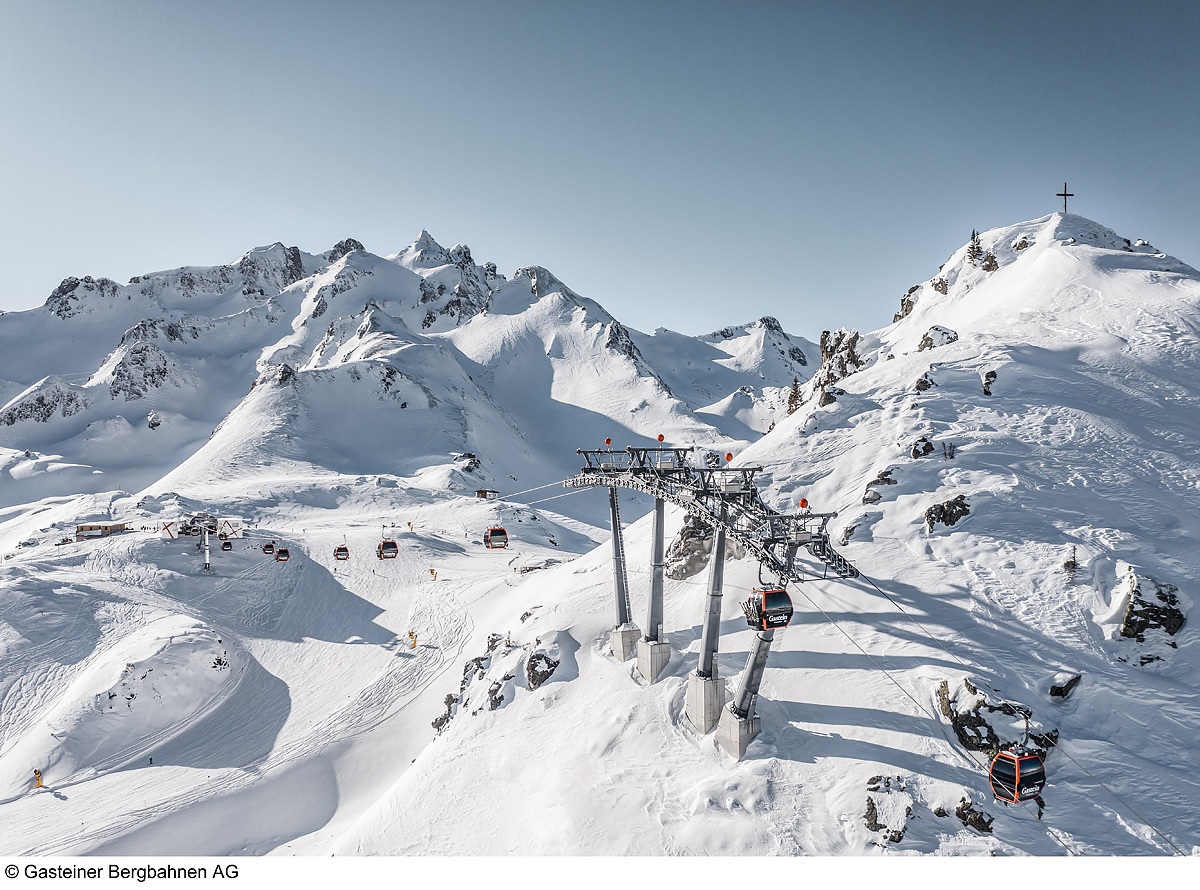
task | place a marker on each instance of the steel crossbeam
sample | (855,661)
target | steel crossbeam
(724,496)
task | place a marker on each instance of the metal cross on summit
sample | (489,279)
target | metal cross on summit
(1064,194)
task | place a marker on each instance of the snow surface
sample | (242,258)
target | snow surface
(283,707)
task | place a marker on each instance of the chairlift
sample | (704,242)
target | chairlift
(282,555)
(1016,775)
(269,547)
(227,546)
(387,549)
(495,538)
(769,608)
(341,552)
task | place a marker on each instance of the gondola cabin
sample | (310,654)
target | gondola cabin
(227,546)
(269,547)
(341,552)
(774,608)
(282,555)
(1017,775)
(387,549)
(495,538)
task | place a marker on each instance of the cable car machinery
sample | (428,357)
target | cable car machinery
(726,499)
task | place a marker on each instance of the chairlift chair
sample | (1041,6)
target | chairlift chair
(495,538)
(282,555)
(1017,775)
(341,552)
(387,549)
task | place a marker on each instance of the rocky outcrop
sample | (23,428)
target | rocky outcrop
(71,296)
(343,247)
(870,495)
(689,550)
(907,302)
(988,378)
(143,368)
(947,513)
(1152,613)
(43,401)
(921,447)
(936,336)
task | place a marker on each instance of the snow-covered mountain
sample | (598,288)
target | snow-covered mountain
(1014,461)
(113,386)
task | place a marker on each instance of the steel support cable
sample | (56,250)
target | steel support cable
(528,490)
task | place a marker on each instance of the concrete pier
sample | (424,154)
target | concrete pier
(734,733)
(705,701)
(652,658)
(624,641)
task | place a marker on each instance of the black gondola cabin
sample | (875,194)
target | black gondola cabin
(341,552)
(774,608)
(227,545)
(282,555)
(495,538)
(387,549)
(1017,775)
(269,547)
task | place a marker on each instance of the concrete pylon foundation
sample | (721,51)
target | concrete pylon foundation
(734,733)
(652,658)
(624,641)
(705,701)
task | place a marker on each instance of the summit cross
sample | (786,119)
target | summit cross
(1064,194)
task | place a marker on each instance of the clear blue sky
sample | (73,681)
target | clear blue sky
(688,165)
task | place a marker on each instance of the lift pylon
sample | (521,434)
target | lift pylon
(653,651)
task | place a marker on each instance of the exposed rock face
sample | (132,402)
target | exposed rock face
(277,265)
(885,797)
(143,368)
(539,668)
(907,302)
(870,495)
(689,551)
(70,297)
(963,708)
(924,382)
(160,328)
(973,818)
(922,447)
(988,379)
(941,285)
(1153,607)
(990,263)
(49,398)
(342,248)
(936,336)
(839,357)
(948,512)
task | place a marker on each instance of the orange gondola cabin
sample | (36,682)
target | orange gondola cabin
(769,608)
(1017,775)
(341,552)
(387,549)
(495,538)
(282,555)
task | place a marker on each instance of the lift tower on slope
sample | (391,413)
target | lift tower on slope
(726,499)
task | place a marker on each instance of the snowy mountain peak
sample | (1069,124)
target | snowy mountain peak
(423,254)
